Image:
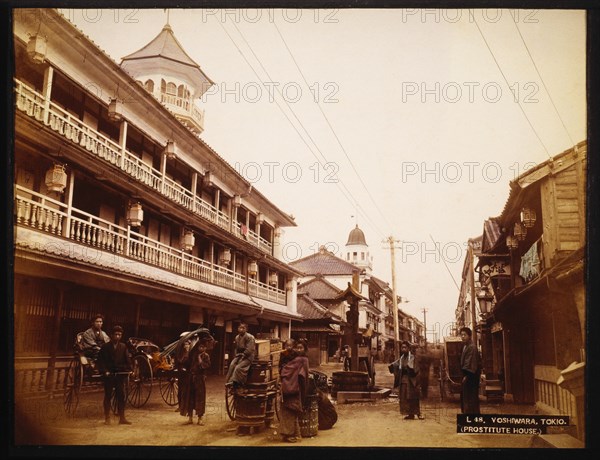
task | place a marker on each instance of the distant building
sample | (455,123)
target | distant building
(324,271)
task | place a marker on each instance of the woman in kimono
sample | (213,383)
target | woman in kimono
(294,379)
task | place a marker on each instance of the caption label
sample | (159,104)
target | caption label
(508,424)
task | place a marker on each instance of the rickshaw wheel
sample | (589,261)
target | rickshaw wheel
(231,402)
(72,385)
(140,382)
(169,386)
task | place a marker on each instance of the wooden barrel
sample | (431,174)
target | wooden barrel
(259,372)
(270,408)
(250,409)
(309,420)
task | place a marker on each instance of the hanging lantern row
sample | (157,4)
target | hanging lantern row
(169,150)
(135,215)
(273,278)
(115,110)
(225,256)
(252,268)
(520,232)
(36,48)
(512,243)
(188,240)
(56,178)
(528,217)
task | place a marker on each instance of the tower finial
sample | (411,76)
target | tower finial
(168,15)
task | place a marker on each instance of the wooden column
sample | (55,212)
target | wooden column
(47,90)
(70,188)
(122,140)
(54,345)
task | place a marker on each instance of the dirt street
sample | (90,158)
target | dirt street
(43,422)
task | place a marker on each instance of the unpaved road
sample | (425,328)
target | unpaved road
(43,422)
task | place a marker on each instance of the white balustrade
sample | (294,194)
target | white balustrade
(33,103)
(48,215)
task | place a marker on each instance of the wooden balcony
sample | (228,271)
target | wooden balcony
(34,105)
(48,215)
(186,109)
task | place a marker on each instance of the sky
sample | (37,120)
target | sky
(410,123)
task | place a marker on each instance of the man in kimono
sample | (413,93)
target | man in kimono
(244,355)
(471,369)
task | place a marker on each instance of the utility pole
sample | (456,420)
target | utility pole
(424,310)
(390,240)
(472,283)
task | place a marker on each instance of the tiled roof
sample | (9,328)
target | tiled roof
(311,309)
(164,45)
(324,263)
(491,234)
(319,289)
(314,328)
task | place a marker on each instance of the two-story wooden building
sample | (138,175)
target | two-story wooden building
(532,289)
(121,208)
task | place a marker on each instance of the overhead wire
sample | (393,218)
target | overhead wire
(542,80)
(340,184)
(507,84)
(331,127)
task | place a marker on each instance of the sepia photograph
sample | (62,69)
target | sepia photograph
(308,228)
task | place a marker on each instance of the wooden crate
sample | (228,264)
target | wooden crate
(263,349)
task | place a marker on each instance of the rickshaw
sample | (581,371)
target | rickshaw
(148,362)
(450,372)
(83,370)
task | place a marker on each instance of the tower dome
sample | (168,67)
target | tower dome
(356,236)
(357,250)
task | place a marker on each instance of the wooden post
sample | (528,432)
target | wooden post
(122,140)
(55,338)
(71,186)
(48,78)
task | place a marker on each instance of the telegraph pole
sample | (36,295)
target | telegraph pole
(472,283)
(391,242)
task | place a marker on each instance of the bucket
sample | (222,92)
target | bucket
(309,420)
(250,409)
(259,372)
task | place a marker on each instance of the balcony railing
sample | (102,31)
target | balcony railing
(57,119)
(264,291)
(48,215)
(252,237)
(184,106)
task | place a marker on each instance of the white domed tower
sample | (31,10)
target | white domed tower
(171,76)
(357,250)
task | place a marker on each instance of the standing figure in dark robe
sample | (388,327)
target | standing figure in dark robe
(193,390)
(114,364)
(244,354)
(406,371)
(470,365)
(294,380)
(288,353)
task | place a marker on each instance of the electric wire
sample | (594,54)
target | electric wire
(542,80)
(341,186)
(507,84)
(331,127)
